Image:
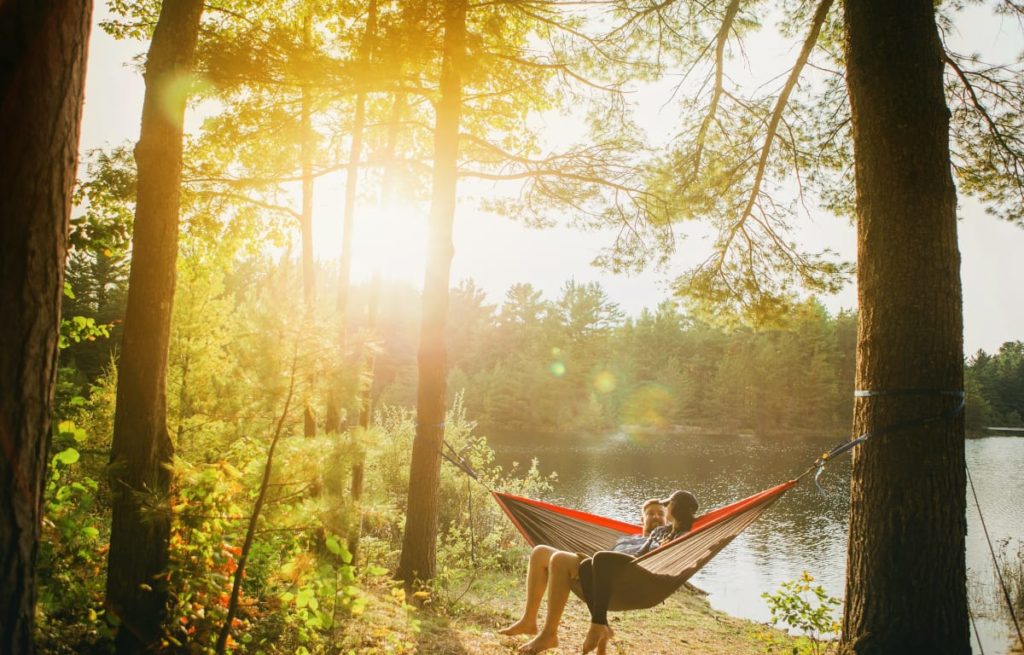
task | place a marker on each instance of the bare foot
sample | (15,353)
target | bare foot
(520,627)
(597,637)
(539,644)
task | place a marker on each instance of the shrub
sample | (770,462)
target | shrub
(806,608)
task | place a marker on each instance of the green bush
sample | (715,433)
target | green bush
(808,608)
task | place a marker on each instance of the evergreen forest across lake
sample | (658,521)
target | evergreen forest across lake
(574,362)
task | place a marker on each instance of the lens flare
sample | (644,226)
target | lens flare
(175,92)
(649,405)
(604,382)
(557,369)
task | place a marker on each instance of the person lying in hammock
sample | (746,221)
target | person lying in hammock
(556,571)
(598,575)
(559,572)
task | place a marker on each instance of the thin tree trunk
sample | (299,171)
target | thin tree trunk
(42,72)
(306,223)
(250,532)
(334,421)
(306,157)
(351,180)
(906,576)
(419,543)
(141,453)
(365,413)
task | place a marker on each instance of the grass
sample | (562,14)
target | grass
(685,624)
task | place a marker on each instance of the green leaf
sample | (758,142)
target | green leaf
(333,546)
(325,619)
(305,598)
(67,456)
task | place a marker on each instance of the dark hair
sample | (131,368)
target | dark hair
(685,509)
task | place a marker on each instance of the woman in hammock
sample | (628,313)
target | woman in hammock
(598,574)
(592,578)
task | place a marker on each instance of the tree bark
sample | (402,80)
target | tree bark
(906,576)
(43,48)
(141,453)
(419,543)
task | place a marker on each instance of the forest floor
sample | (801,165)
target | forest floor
(685,624)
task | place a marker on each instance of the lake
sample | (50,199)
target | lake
(613,474)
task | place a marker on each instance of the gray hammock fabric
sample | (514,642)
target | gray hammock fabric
(653,577)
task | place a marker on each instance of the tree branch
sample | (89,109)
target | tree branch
(780,105)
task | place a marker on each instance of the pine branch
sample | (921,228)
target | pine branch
(720,41)
(780,105)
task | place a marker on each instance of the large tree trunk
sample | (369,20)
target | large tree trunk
(906,581)
(140,457)
(42,72)
(419,543)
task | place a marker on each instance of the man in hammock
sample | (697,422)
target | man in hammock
(560,572)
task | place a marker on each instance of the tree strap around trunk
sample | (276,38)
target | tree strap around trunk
(819,464)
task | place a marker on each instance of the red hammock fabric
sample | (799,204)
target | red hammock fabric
(580,532)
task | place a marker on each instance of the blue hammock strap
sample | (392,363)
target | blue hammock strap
(846,446)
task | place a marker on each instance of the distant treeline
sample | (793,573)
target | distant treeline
(577,363)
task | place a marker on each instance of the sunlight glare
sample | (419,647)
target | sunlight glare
(386,240)
(391,241)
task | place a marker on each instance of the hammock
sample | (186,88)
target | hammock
(653,577)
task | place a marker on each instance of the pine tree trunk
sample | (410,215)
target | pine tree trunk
(906,580)
(419,543)
(365,414)
(352,177)
(141,453)
(334,420)
(306,224)
(42,73)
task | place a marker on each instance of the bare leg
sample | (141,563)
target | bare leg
(564,567)
(536,583)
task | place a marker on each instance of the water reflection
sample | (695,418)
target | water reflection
(613,474)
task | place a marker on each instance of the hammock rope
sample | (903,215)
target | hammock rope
(995,564)
(575,531)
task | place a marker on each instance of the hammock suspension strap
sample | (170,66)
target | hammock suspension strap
(846,446)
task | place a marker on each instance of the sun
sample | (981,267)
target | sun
(387,240)
(390,241)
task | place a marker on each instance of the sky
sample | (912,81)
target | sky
(497,252)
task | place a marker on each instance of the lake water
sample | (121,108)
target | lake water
(612,475)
